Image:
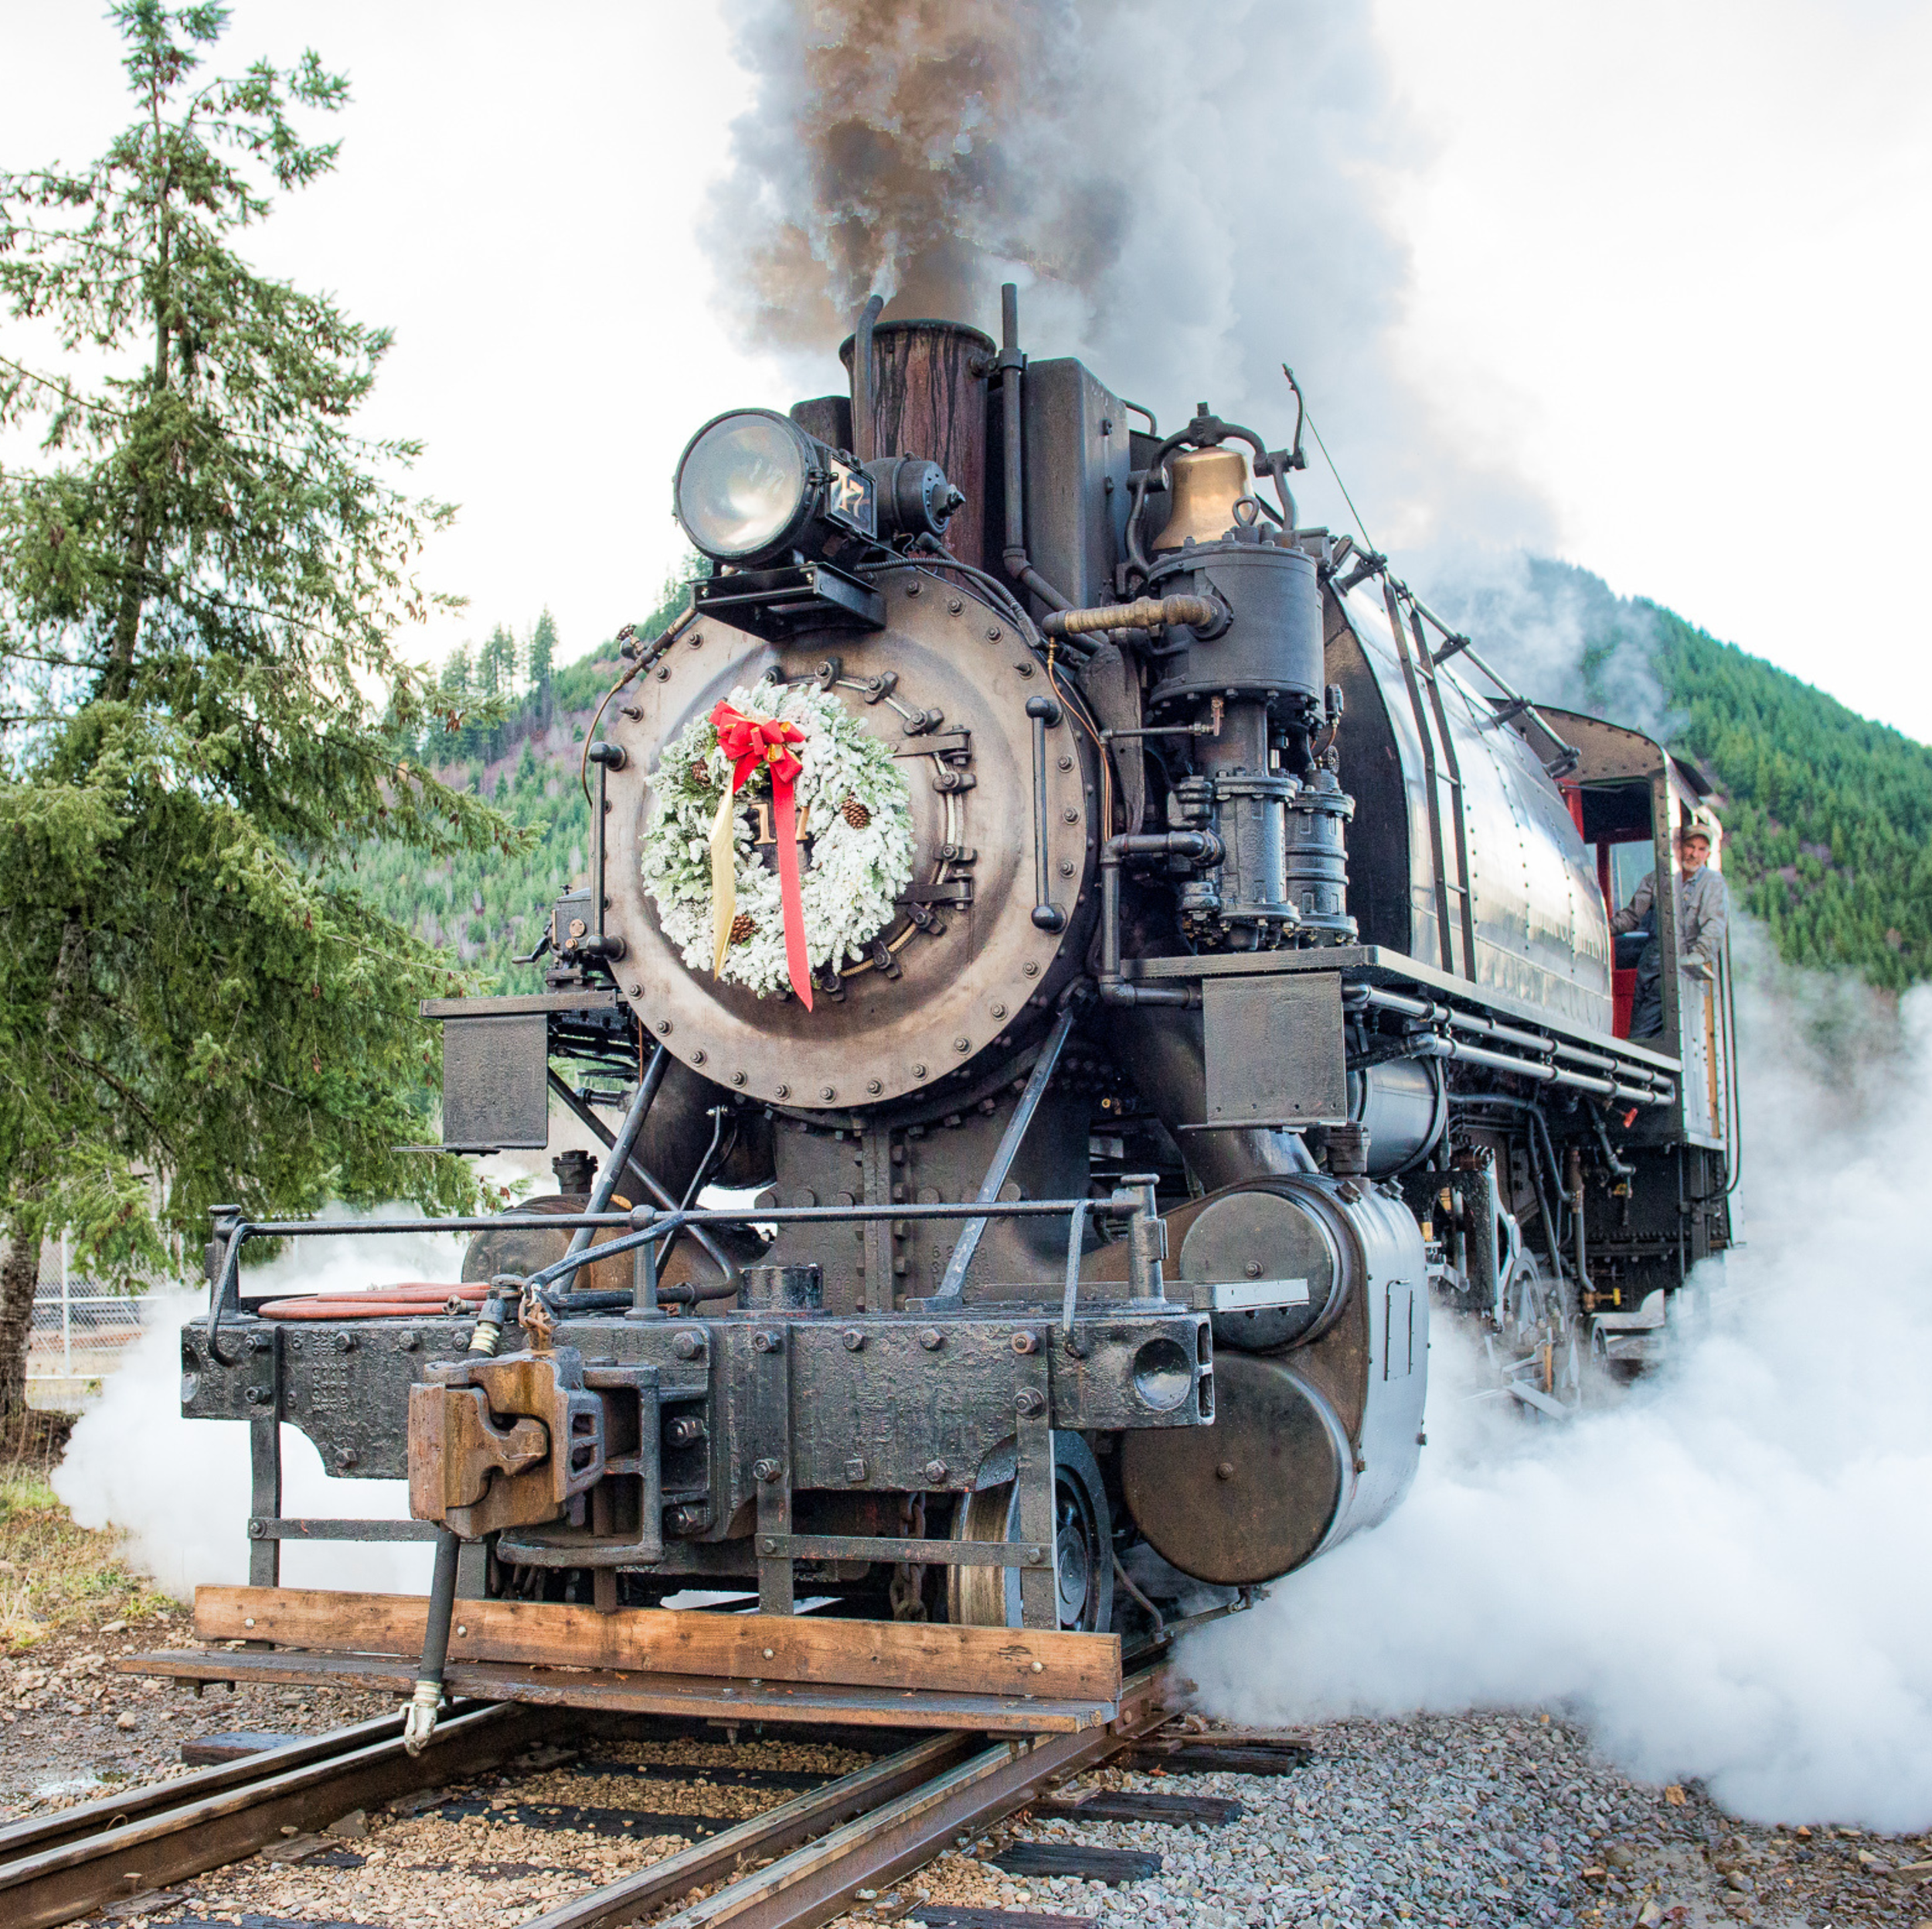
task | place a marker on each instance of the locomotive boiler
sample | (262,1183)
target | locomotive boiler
(1133,962)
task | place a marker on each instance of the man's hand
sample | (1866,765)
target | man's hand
(1695,968)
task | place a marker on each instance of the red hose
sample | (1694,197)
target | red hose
(417,1297)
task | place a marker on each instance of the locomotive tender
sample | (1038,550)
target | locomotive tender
(1221,980)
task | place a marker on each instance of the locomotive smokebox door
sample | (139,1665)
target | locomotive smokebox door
(1275,1050)
(494,1092)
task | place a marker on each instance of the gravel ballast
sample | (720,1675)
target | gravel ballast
(1463,1822)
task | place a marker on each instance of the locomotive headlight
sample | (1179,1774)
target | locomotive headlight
(752,485)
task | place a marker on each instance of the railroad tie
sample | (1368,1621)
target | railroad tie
(1283,1759)
(936,1917)
(1208,1812)
(1112,1865)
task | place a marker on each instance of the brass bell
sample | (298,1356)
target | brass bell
(1203,486)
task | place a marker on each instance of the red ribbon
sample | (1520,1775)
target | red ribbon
(749,741)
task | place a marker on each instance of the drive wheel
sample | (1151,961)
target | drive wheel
(1083,1532)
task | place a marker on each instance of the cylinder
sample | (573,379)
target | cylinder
(1318,857)
(1403,1107)
(1281,1232)
(1271,651)
(1252,820)
(929,399)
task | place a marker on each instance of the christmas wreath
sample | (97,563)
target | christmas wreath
(829,784)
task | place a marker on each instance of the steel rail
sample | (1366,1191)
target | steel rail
(55,1868)
(885,1837)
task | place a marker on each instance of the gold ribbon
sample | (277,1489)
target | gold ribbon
(724,880)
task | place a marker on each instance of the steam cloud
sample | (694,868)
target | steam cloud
(1722,1574)
(1187,197)
(1558,633)
(179,1488)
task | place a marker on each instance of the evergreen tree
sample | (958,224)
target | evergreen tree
(543,664)
(200,583)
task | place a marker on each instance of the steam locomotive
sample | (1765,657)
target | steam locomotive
(1136,963)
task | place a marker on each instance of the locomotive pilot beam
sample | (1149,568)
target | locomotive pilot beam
(1140,963)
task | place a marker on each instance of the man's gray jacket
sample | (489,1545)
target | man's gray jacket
(1703,909)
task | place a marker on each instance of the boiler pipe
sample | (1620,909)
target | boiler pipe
(1434,1047)
(1148,613)
(1431,1013)
(1204,848)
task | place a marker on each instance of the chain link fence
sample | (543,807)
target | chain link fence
(83,1323)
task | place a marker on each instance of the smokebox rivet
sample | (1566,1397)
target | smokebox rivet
(1024,669)
(998,1011)
(1225,1471)
(962,1044)
(912,588)
(1070,815)
(873,1085)
(931,1338)
(663,1027)
(1067,764)
(825,1091)
(249,1622)
(785,1091)
(919,1071)
(766,1470)
(1066,867)
(637,991)
(935,1472)
(953,604)
(737,1078)
(1028,1402)
(992,633)
(664,674)
(1024,1343)
(697,1057)
(855,1340)
(765,1342)
(1030,969)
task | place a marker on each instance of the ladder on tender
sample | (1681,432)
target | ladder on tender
(1440,767)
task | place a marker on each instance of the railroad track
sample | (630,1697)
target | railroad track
(828,1837)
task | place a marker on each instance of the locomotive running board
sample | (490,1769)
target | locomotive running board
(658,1660)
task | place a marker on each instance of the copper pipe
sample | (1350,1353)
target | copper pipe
(1148,613)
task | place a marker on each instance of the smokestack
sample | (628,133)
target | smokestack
(927,397)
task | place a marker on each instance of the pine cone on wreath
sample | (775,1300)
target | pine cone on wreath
(742,928)
(854,813)
(699,773)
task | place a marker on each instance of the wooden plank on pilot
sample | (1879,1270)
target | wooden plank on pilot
(926,1655)
(703,1698)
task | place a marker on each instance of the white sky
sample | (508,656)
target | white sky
(1669,261)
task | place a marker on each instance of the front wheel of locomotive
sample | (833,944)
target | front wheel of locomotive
(1083,1532)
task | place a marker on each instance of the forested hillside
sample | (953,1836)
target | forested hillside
(1827,816)
(512,729)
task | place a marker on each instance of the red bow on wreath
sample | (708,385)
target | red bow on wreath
(748,741)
